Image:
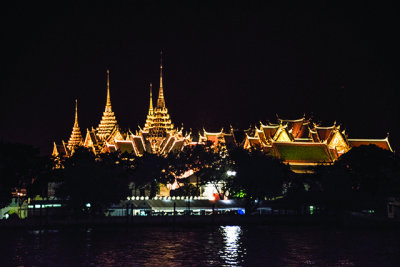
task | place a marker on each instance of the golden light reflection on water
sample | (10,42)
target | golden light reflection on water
(202,246)
(232,250)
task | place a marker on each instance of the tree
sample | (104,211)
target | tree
(374,174)
(20,164)
(258,176)
(99,181)
(210,166)
(360,179)
(146,172)
(373,170)
(49,173)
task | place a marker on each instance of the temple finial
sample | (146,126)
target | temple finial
(161,101)
(76,113)
(151,99)
(108,104)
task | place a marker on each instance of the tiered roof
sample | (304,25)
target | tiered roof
(158,123)
(76,135)
(108,121)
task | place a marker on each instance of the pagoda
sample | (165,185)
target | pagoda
(158,123)
(76,136)
(108,122)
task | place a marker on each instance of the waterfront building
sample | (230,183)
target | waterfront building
(304,144)
(301,143)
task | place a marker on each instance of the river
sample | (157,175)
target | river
(202,246)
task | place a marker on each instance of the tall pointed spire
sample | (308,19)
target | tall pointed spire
(76,113)
(76,136)
(108,121)
(151,100)
(108,103)
(160,100)
(158,123)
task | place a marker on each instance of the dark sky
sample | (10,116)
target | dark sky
(226,63)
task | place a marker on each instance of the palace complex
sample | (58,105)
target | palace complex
(300,143)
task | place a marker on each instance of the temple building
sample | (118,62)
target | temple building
(96,139)
(99,139)
(158,123)
(74,140)
(301,143)
(157,136)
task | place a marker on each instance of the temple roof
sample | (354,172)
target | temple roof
(296,127)
(125,146)
(229,140)
(253,142)
(381,143)
(168,144)
(177,146)
(324,133)
(60,150)
(303,132)
(269,130)
(297,152)
(239,136)
(111,148)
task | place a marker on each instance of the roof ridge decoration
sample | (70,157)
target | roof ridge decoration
(213,133)
(325,127)
(296,120)
(269,125)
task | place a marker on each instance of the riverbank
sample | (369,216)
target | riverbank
(196,221)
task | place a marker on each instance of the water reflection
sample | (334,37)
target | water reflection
(202,246)
(232,252)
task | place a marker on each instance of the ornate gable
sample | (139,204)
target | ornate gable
(338,143)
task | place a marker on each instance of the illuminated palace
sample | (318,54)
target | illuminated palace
(300,143)
(157,136)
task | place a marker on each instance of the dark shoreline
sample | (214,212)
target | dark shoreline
(199,221)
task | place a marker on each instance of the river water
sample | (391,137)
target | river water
(201,246)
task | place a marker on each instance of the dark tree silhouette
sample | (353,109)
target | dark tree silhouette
(258,176)
(146,173)
(20,165)
(360,179)
(99,181)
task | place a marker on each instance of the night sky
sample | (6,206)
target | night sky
(226,63)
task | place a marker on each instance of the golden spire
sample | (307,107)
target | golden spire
(158,123)
(76,136)
(76,113)
(151,100)
(160,100)
(108,121)
(108,103)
